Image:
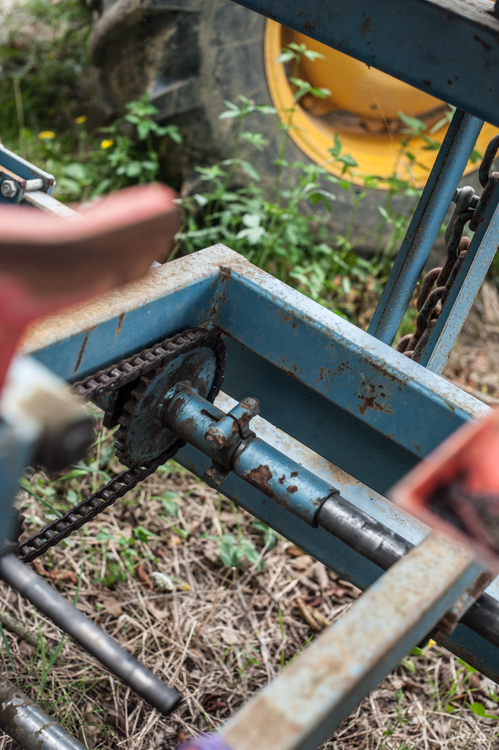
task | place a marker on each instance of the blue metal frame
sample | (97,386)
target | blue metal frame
(25,171)
(464,289)
(345,395)
(425,225)
(447,50)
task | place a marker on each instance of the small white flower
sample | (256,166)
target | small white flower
(162,581)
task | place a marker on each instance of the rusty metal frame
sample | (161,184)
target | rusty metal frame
(305,703)
(323,384)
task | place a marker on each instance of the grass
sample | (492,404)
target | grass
(216,633)
(51,115)
(214,602)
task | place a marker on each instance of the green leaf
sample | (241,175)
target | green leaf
(201,200)
(475,156)
(228,551)
(256,139)
(103,535)
(250,170)
(336,150)
(269,535)
(228,114)
(414,126)
(251,220)
(409,665)
(76,171)
(467,667)
(478,709)
(285,56)
(171,507)
(142,534)
(181,532)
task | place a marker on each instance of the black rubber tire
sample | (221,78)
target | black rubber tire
(191,55)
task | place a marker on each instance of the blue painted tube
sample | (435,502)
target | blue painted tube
(424,227)
(283,480)
(465,287)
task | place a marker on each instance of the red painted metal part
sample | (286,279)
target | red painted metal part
(456,489)
(47,264)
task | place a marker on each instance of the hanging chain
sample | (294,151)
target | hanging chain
(438,282)
(101,383)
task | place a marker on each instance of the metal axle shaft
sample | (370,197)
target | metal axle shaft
(85,632)
(315,501)
(28,725)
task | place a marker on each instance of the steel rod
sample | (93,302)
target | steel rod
(313,694)
(312,499)
(362,532)
(384,548)
(28,725)
(85,632)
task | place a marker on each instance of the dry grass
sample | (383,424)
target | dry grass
(221,633)
(218,636)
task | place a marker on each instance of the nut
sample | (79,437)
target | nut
(8,188)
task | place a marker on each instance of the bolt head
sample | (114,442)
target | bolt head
(8,188)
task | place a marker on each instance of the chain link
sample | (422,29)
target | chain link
(438,282)
(102,383)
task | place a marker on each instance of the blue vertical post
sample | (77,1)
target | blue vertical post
(423,229)
(464,289)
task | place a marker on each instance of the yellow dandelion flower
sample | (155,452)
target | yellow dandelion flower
(106,144)
(431,642)
(46,135)
(81,119)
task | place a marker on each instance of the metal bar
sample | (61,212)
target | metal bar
(457,43)
(348,391)
(464,289)
(362,533)
(352,396)
(190,416)
(28,725)
(23,168)
(376,532)
(44,202)
(301,707)
(119,662)
(425,224)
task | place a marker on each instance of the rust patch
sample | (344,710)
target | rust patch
(365,26)
(81,353)
(294,473)
(321,374)
(120,324)
(369,402)
(260,478)
(369,395)
(282,479)
(292,489)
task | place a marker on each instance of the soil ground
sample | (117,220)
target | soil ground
(150,573)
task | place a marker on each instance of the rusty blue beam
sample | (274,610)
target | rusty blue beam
(464,289)
(425,225)
(301,707)
(475,640)
(453,52)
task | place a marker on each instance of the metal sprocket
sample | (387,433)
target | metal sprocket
(198,359)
